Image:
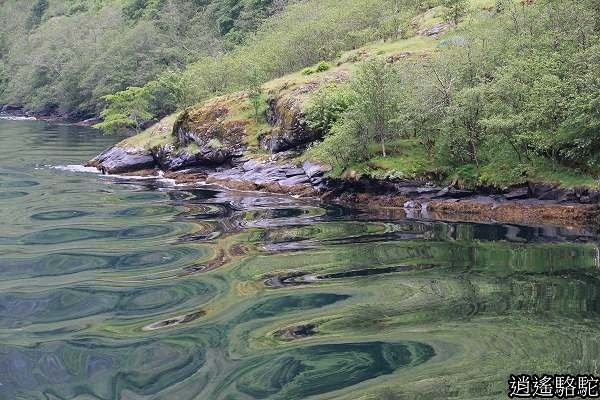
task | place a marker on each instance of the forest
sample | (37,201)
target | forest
(509,91)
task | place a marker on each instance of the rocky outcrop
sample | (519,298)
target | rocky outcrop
(285,113)
(214,128)
(290,127)
(119,160)
(170,158)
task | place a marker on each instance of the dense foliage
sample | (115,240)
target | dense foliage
(517,86)
(304,34)
(66,55)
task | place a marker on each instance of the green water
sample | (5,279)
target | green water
(135,289)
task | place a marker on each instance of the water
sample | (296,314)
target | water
(136,289)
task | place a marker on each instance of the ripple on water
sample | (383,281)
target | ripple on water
(18,184)
(280,305)
(93,369)
(59,215)
(162,257)
(54,264)
(65,235)
(67,304)
(313,370)
(12,195)
(145,196)
(146,211)
(144,232)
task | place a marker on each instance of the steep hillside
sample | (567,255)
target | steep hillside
(451,111)
(62,56)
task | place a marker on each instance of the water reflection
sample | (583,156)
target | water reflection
(124,288)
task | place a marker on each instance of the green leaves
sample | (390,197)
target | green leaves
(126,109)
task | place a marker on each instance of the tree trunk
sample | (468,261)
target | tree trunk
(383,146)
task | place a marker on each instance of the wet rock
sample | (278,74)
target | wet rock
(313,169)
(294,180)
(297,332)
(294,172)
(118,160)
(538,190)
(449,193)
(517,194)
(90,121)
(552,194)
(11,108)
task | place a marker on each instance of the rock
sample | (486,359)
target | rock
(517,194)
(293,172)
(594,196)
(11,107)
(252,165)
(211,156)
(90,121)
(449,193)
(295,180)
(290,127)
(118,160)
(170,160)
(313,169)
(552,194)
(539,189)
(435,30)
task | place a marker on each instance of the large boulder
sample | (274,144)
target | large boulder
(119,160)
(290,126)
(171,159)
(286,113)
(214,128)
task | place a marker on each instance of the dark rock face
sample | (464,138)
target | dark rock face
(118,160)
(313,169)
(10,108)
(171,159)
(90,121)
(290,128)
(517,194)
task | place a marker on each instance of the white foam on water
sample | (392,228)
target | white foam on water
(16,118)
(76,168)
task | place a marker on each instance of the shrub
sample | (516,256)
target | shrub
(327,106)
(323,66)
(308,71)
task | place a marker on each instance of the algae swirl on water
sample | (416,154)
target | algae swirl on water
(116,288)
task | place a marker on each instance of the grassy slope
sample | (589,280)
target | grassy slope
(406,158)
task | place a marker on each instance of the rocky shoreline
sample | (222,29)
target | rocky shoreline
(213,143)
(533,203)
(18,111)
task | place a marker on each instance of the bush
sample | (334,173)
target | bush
(308,71)
(327,106)
(323,66)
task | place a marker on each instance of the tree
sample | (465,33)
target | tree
(126,109)
(455,10)
(255,80)
(375,87)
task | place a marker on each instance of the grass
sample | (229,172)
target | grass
(544,170)
(158,134)
(406,158)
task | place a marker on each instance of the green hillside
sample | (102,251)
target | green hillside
(491,93)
